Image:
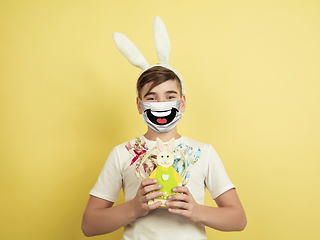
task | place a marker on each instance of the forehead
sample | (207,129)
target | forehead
(163,88)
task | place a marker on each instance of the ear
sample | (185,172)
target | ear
(171,145)
(139,106)
(160,146)
(183,103)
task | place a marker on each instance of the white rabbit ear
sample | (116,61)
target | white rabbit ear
(161,41)
(171,145)
(160,146)
(130,51)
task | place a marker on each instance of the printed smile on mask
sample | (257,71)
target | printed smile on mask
(161,117)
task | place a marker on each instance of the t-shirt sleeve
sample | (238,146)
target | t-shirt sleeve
(217,180)
(109,182)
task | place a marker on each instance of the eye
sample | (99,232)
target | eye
(150,99)
(167,156)
(171,97)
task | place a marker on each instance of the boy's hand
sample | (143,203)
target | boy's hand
(144,194)
(183,204)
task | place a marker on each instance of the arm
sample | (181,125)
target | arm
(100,217)
(228,216)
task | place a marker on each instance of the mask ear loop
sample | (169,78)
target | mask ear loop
(149,153)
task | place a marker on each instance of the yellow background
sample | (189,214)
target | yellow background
(251,70)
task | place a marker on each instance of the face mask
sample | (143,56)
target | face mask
(161,116)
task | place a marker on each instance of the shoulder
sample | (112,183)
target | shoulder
(196,144)
(205,150)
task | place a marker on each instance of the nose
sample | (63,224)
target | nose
(161,99)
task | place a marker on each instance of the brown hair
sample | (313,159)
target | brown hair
(156,75)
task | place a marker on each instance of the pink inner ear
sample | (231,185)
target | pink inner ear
(170,145)
(160,145)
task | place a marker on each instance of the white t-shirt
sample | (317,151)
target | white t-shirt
(208,172)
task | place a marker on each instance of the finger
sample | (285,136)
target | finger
(177,204)
(180,189)
(154,195)
(151,188)
(178,211)
(154,205)
(147,182)
(179,197)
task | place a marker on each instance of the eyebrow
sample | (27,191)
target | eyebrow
(174,92)
(149,93)
(167,92)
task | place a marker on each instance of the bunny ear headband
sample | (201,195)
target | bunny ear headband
(162,45)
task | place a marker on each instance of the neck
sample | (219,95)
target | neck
(165,137)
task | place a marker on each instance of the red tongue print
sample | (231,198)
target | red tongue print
(161,120)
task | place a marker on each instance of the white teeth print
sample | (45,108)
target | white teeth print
(164,115)
(161,114)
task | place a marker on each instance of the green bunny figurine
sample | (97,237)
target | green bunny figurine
(165,174)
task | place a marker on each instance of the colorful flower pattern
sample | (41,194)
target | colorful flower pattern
(191,155)
(138,148)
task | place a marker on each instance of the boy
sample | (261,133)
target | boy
(161,100)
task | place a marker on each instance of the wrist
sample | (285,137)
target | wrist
(200,213)
(133,209)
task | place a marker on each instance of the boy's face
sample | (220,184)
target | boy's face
(164,92)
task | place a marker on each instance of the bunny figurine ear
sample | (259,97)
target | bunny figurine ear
(171,145)
(130,51)
(161,41)
(159,144)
